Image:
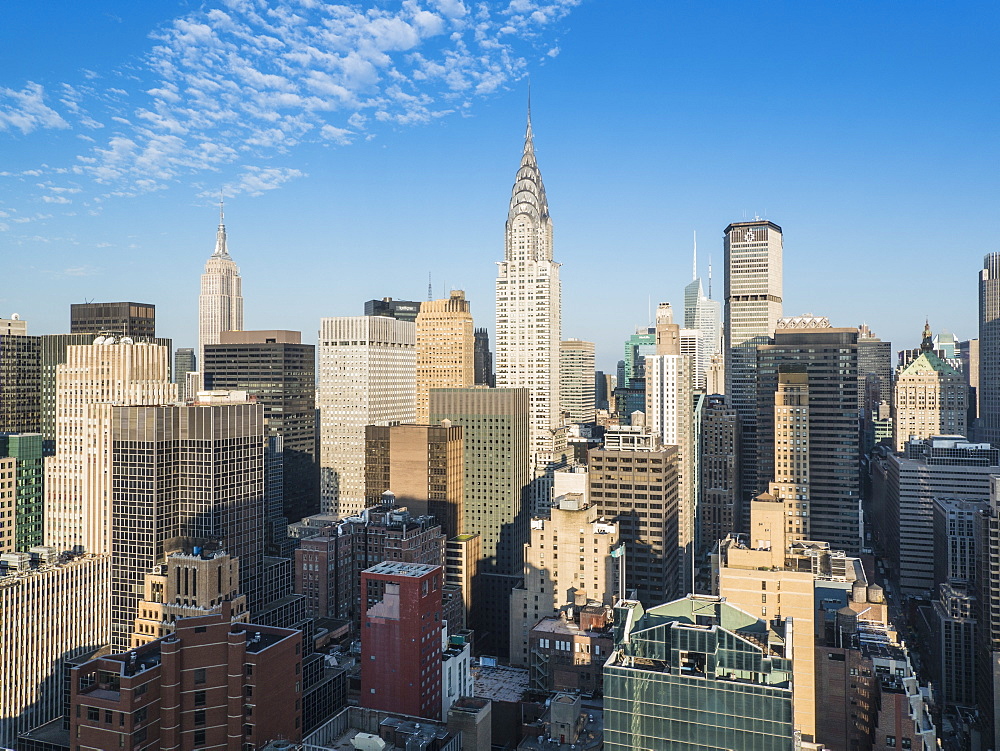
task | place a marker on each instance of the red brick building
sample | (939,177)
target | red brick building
(196,688)
(401,638)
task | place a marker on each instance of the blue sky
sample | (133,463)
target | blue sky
(362,146)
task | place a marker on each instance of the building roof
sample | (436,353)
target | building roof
(398,568)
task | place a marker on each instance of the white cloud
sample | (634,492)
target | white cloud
(225,89)
(26,110)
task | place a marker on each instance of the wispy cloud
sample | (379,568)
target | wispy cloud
(234,88)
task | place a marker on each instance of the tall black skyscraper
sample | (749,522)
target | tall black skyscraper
(20,378)
(401,310)
(280,372)
(989,350)
(483,359)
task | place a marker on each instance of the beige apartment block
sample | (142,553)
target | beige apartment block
(445,349)
(95,378)
(50,613)
(461,568)
(188,585)
(791,451)
(567,563)
(770,574)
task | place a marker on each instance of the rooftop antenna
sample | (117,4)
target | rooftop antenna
(694,264)
(709,277)
(430,290)
(222,206)
(649,309)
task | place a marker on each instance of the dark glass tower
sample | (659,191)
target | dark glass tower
(134,319)
(280,373)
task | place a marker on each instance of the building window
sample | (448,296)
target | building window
(199,737)
(199,717)
(199,698)
(93,714)
(199,676)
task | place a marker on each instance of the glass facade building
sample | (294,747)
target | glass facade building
(697,673)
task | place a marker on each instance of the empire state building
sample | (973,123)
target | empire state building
(529,316)
(220,304)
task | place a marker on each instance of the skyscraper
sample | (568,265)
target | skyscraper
(989,349)
(367,376)
(705,315)
(753,253)
(181,502)
(483,359)
(277,369)
(830,358)
(95,378)
(184,362)
(220,304)
(20,378)
(445,349)
(930,397)
(576,375)
(529,317)
(22,453)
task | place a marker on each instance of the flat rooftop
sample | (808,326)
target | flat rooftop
(500,683)
(397,568)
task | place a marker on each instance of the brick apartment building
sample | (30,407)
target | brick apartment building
(211,684)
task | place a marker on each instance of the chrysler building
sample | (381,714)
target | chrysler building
(220,304)
(529,321)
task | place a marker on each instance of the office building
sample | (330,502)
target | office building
(829,356)
(422,467)
(401,310)
(567,652)
(483,359)
(719,503)
(54,349)
(461,568)
(495,432)
(220,304)
(987,592)
(445,349)
(401,638)
(633,482)
(791,449)
(213,683)
(875,372)
(279,372)
(698,672)
(188,585)
(186,507)
(779,577)
(20,378)
(133,319)
(954,611)
(496,428)
(50,613)
(930,397)
(528,316)
(576,380)
(95,379)
(753,258)
(669,415)
(704,315)
(367,376)
(553,584)
(21,476)
(185,362)
(904,489)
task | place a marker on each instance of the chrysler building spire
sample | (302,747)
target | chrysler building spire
(529,316)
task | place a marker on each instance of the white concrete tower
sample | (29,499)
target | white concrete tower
(529,315)
(220,304)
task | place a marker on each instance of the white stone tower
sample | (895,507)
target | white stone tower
(529,315)
(220,304)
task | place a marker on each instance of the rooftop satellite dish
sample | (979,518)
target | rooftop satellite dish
(99,340)
(15,316)
(109,340)
(126,340)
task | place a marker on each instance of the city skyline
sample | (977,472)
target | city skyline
(858,154)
